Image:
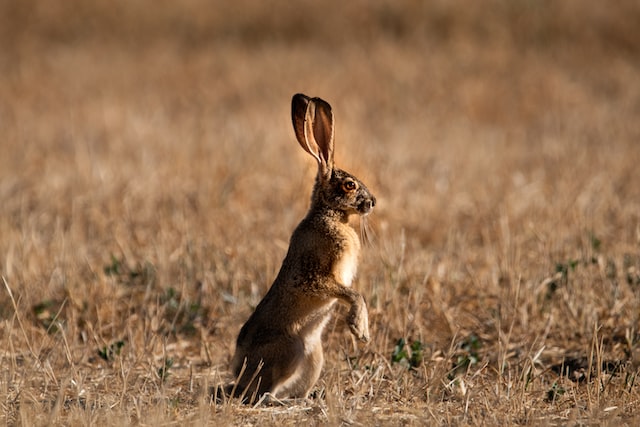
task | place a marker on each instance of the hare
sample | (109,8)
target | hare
(279,349)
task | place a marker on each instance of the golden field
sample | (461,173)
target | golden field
(150,180)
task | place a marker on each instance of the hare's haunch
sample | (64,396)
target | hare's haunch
(279,349)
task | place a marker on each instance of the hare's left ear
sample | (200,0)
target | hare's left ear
(314,128)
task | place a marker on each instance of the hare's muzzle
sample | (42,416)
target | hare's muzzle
(366,206)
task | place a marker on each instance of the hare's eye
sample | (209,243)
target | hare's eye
(349,186)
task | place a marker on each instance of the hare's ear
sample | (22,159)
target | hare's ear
(299,107)
(323,133)
(313,125)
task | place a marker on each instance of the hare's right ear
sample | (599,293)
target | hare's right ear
(313,125)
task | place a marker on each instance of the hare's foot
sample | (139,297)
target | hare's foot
(358,320)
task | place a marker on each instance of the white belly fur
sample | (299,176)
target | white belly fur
(346,267)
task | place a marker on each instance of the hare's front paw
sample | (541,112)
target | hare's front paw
(358,320)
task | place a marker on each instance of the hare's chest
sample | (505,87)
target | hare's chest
(346,265)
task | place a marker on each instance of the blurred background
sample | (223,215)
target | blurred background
(410,81)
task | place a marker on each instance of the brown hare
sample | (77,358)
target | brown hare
(279,349)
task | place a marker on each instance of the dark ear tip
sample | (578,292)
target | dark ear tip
(322,104)
(299,104)
(300,98)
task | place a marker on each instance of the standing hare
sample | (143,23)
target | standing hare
(279,349)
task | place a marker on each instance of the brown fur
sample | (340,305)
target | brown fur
(279,349)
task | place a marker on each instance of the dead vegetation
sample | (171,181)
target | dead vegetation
(149,181)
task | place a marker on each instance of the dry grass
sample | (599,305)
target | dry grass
(149,182)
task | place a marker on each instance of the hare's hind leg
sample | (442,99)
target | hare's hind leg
(306,374)
(308,370)
(313,364)
(270,366)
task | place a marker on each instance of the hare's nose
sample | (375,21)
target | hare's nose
(369,203)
